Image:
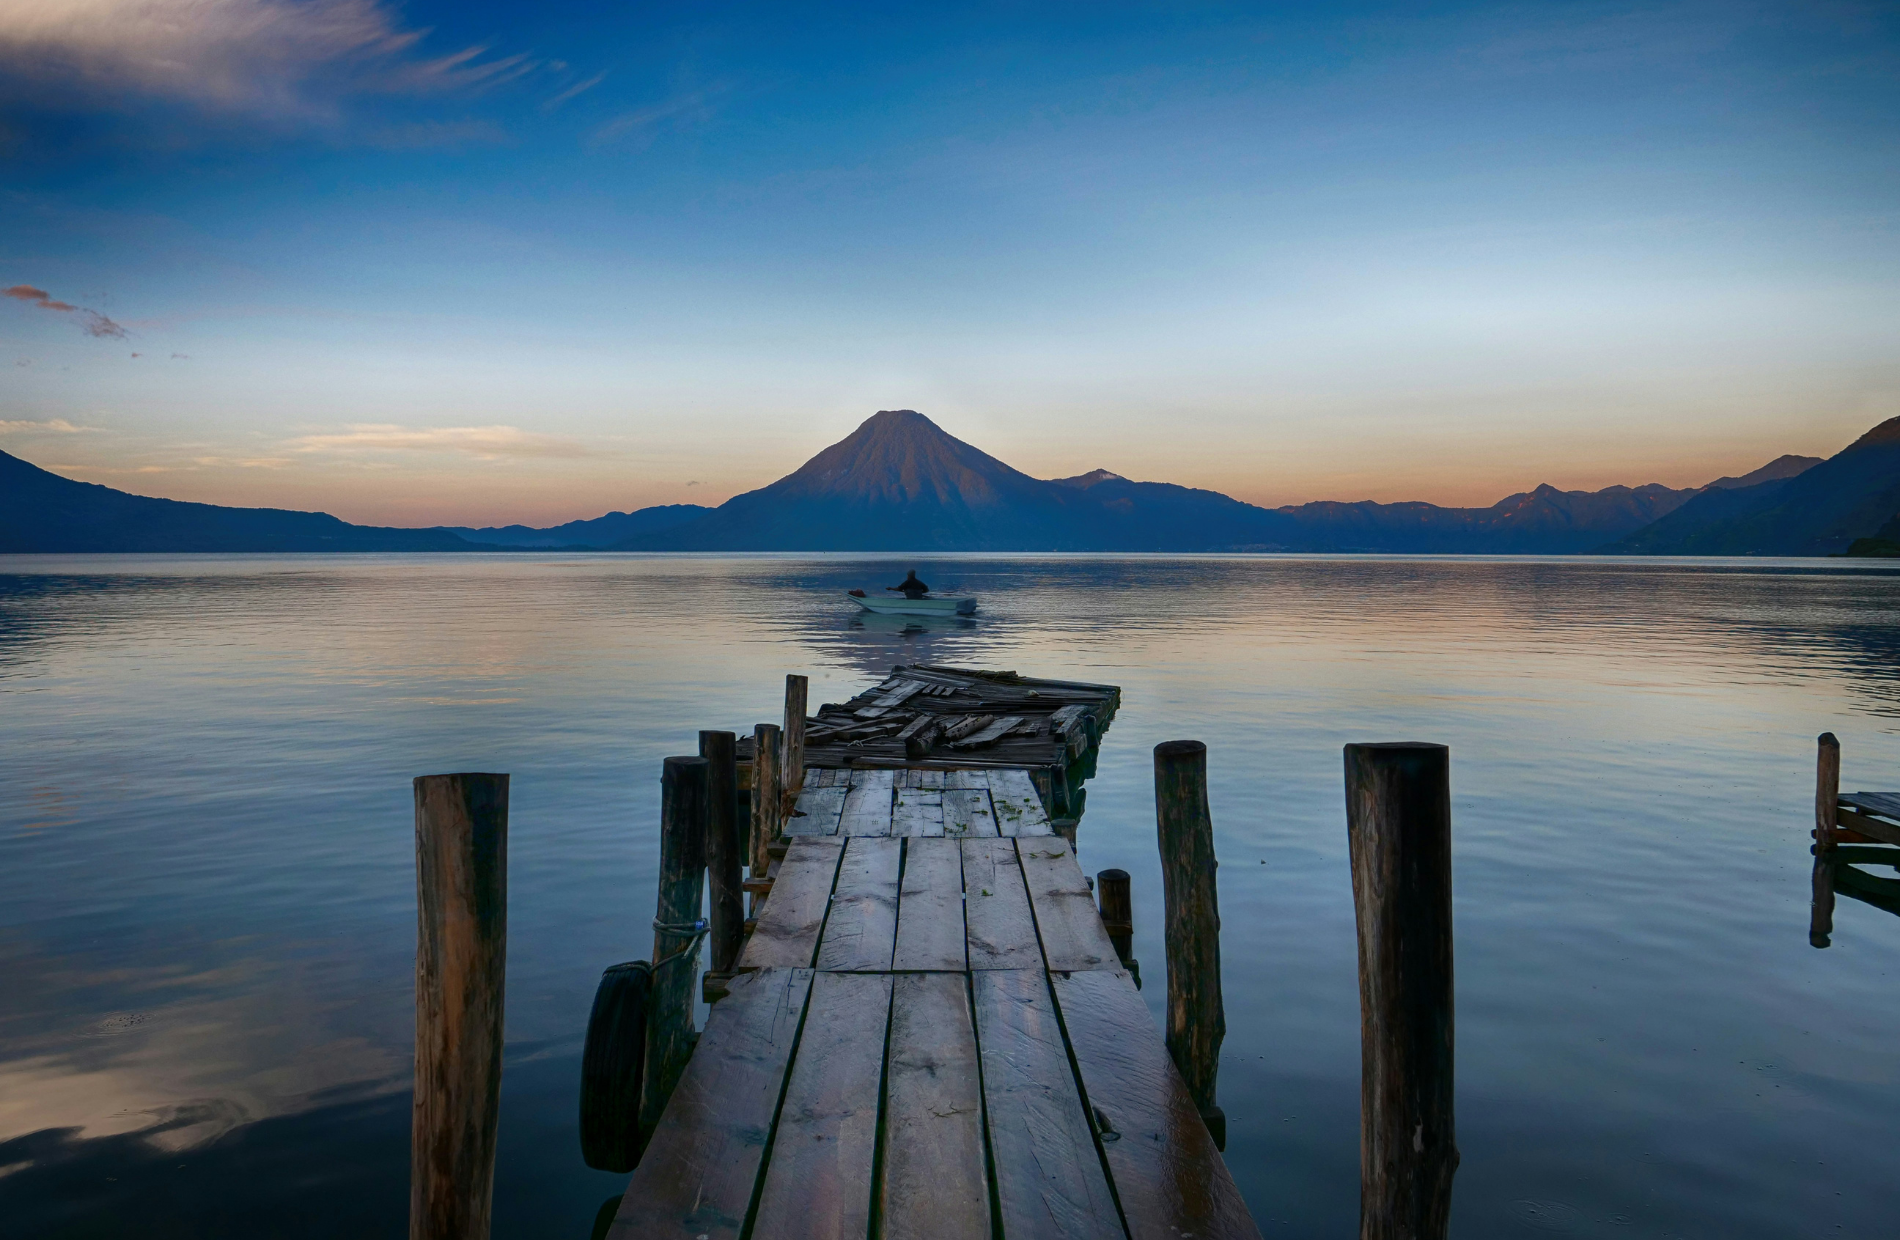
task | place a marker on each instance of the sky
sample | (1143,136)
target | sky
(478,263)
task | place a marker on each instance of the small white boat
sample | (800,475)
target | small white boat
(898,605)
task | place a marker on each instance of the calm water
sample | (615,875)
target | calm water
(207,883)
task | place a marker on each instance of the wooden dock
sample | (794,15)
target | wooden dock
(1852,832)
(929,1033)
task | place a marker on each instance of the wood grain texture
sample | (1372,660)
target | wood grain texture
(684,795)
(917,812)
(1066,920)
(1000,929)
(818,1183)
(786,935)
(1827,788)
(461,958)
(1114,893)
(1049,1177)
(1883,803)
(703,1163)
(1197,1018)
(930,932)
(966,811)
(1017,805)
(817,812)
(968,781)
(935,1185)
(767,811)
(1169,1177)
(867,804)
(1868,828)
(1398,828)
(861,930)
(792,738)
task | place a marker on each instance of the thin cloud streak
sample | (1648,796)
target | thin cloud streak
(55,426)
(91,322)
(483,442)
(285,58)
(576,89)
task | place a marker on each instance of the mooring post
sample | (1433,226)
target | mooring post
(1827,791)
(792,763)
(461,959)
(1113,890)
(685,794)
(767,804)
(1398,829)
(1197,1023)
(724,860)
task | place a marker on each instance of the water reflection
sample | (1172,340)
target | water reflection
(206,874)
(1844,869)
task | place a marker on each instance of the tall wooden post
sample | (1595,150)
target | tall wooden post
(1113,890)
(1197,1023)
(723,859)
(792,763)
(1398,828)
(461,958)
(1827,790)
(768,806)
(684,808)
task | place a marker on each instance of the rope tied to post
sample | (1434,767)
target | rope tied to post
(691,931)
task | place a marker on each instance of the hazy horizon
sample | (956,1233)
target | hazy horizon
(476,265)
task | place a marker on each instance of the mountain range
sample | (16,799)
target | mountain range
(900,483)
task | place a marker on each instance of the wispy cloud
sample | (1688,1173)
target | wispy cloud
(484,442)
(642,124)
(272,57)
(576,89)
(91,321)
(52,426)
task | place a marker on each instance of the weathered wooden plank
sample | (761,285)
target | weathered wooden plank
(930,933)
(867,805)
(972,780)
(926,779)
(966,811)
(818,1183)
(788,925)
(919,811)
(989,734)
(825,777)
(1066,920)
(935,1184)
(817,812)
(1049,1178)
(1887,803)
(1872,828)
(1169,1177)
(902,692)
(1017,805)
(1000,930)
(862,928)
(699,1171)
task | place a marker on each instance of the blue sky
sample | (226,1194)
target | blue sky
(483,262)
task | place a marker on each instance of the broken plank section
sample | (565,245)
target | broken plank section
(1001,932)
(702,1163)
(1066,918)
(930,934)
(1049,1178)
(867,806)
(921,779)
(1018,807)
(935,1186)
(788,925)
(1169,1177)
(818,1183)
(919,811)
(862,928)
(966,811)
(817,812)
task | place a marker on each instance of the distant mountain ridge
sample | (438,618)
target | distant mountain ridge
(595,533)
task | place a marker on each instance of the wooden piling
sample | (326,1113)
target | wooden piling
(792,761)
(768,808)
(1197,1022)
(1827,790)
(1114,892)
(461,957)
(724,859)
(1398,827)
(685,794)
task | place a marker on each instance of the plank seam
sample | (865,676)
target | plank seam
(1088,1108)
(778,1109)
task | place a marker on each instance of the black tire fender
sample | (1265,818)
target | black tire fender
(612,1067)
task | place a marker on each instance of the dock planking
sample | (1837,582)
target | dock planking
(934,1039)
(817,811)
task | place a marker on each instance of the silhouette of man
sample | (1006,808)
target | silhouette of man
(911,587)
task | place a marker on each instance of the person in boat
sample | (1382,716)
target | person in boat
(911,587)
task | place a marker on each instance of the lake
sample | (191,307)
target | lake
(207,899)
